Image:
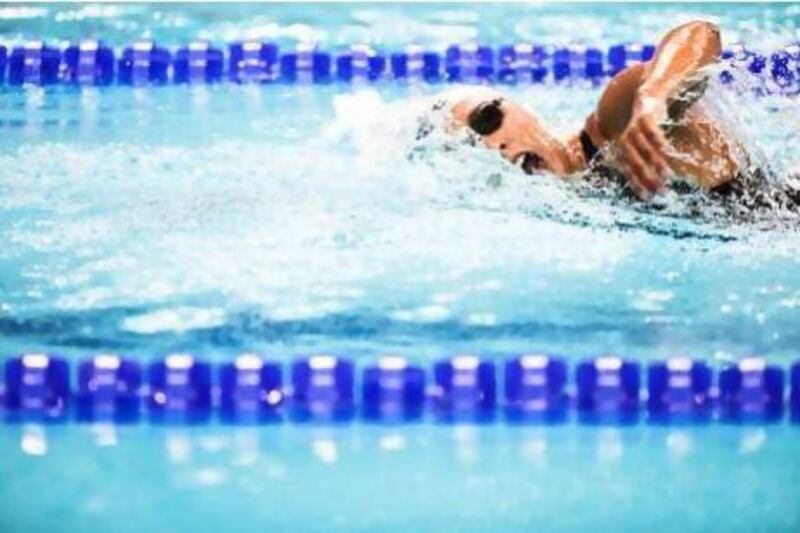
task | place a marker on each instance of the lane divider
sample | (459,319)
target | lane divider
(145,63)
(533,388)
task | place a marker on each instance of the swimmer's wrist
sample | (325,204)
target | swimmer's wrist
(651,95)
(651,103)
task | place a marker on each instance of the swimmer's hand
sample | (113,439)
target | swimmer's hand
(678,58)
(643,144)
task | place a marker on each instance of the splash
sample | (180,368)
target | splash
(456,169)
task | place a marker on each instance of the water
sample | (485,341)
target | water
(295,219)
(292,219)
(423,478)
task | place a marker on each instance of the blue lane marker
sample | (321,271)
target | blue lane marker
(594,64)
(344,67)
(562,67)
(393,390)
(3,61)
(431,67)
(88,62)
(322,389)
(509,62)
(757,63)
(522,63)
(624,55)
(608,390)
(617,59)
(398,64)
(35,63)
(466,390)
(751,391)
(730,56)
(109,389)
(144,63)
(251,390)
(469,63)
(253,62)
(37,388)
(306,65)
(199,62)
(180,390)
(785,69)
(409,64)
(360,63)
(679,390)
(535,389)
(542,55)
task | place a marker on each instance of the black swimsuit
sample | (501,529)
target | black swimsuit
(588,147)
(748,190)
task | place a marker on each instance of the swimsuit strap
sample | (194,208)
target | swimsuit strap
(588,147)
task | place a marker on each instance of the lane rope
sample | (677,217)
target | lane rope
(146,63)
(534,388)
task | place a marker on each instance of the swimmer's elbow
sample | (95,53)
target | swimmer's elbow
(707,33)
(711,33)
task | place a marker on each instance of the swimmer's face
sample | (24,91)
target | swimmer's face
(508,127)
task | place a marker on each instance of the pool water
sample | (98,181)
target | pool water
(290,220)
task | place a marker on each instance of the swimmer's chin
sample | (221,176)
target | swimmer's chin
(530,163)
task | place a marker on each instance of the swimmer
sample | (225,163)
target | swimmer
(645,130)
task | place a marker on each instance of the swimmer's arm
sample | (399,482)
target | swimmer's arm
(636,102)
(681,53)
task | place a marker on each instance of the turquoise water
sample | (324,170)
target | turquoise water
(365,478)
(296,219)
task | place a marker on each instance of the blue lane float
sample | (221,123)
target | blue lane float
(251,390)
(533,389)
(360,63)
(35,63)
(679,389)
(180,390)
(469,62)
(322,389)
(621,56)
(416,64)
(88,62)
(466,389)
(608,390)
(306,64)
(37,387)
(751,390)
(109,389)
(198,62)
(3,61)
(393,390)
(253,62)
(522,63)
(143,63)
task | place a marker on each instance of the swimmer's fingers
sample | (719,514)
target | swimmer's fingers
(634,183)
(650,142)
(653,157)
(642,176)
(657,145)
(636,172)
(655,135)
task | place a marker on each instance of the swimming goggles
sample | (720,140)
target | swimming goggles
(486,118)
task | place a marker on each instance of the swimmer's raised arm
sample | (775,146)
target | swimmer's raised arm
(637,102)
(631,117)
